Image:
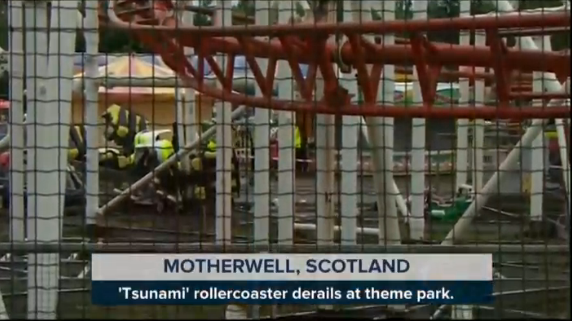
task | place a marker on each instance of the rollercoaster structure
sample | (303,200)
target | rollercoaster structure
(346,60)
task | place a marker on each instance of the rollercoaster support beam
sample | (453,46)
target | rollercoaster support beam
(400,201)
(15,138)
(534,178)
(325,153)
(522,81)
(261,146)
(53,94)
(223,16)
(349,149)
(493,184)
(551,85)
(478,125)
(436,54)
(470,135)
(467,149)
(91,107)
(189,106)
(462,125)
(286,155)
(90,93)
(439,54)
(187,128)
(206,247)
(36,60)
(379,82)
(546,18)
(402,54)
(418,141)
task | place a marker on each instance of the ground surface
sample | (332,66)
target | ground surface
(547,275)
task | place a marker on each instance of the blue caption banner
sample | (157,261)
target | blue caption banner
(113,293)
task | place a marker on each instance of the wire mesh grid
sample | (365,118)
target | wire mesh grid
(122,98)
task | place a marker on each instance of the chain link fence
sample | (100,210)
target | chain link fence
(84,95)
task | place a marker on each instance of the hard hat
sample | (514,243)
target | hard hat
(148,138)
(164,149)
(163,145)
(144,139)
(110,109)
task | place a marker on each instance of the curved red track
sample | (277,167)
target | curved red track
(157,28)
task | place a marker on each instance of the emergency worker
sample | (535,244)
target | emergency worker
(77,145)
(203,173)
(301,150)
(149,153)
(108,157)
(209,156)
(164,150)
(211,145)
(202,177)
(121,127)
(114,158)
(551,135)
(244,142)
(297,138)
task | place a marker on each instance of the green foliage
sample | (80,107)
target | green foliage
(202,19)
(112,40)
(121,41)
(4,86)
(300,10)
(4,24)
(246,7)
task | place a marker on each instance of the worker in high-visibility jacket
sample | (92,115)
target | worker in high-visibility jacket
(203,172)
(551,135)
(297,138)
(121,127)
(301,151)
(211,145)
(77,144)
(109,157)
(114,158)
(149,153)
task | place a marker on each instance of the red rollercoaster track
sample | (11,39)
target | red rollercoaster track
(154,24)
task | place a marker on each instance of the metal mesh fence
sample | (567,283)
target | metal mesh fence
(115,138)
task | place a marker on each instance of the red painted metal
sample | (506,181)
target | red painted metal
(5,160)
(156,26)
